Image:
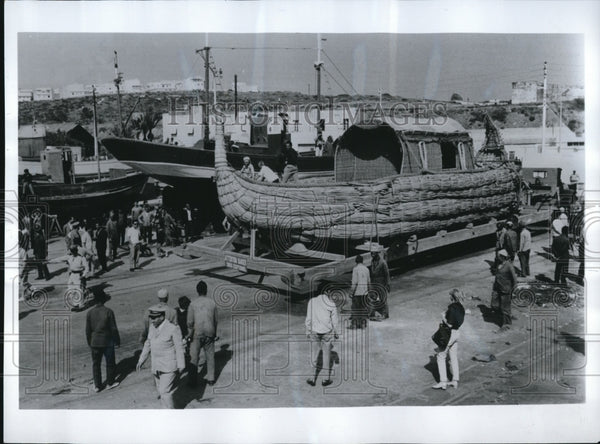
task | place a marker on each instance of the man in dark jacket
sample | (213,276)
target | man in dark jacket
(560,249)
(101,243)
(102,336)
(40,251)
(505,281)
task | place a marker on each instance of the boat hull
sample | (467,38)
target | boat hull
(386,208)
(187,167)
(89,198)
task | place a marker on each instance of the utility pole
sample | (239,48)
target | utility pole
(235,99)
(318,65)
(205,120)
(96,151)
(118,80)
(544,109)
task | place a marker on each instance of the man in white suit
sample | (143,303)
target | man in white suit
(165,345)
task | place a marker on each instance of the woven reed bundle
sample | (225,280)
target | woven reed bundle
(366,231)
(399,205)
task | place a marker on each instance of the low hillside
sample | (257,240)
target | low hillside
(79,110)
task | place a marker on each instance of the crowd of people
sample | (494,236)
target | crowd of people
(179,341)
(91,243)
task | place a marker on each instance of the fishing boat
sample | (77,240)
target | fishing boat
(85,198)
(392,180)
(60,192)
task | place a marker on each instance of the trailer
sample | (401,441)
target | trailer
(300,268)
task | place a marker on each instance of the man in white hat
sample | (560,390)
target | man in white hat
(506,278)
(561,221)
(170,312)
(165,346)
(247,169)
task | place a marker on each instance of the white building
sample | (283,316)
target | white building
(165,85)
(129,86)
(73,90)
(40,94)
(193,84)
(25,95)
(106,89)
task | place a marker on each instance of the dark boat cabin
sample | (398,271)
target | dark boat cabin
(368,152)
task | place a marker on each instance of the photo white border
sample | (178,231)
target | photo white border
(549,423)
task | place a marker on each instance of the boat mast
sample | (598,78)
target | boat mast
(318,65)
(206,50)
(544,109)
(118,80)
(96,153)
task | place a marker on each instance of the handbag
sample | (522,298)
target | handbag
(442,336)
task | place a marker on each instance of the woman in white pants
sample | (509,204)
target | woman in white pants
(454,318)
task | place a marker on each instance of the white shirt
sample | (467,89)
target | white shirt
(132,235)
(267,174)
(321,315)
(361,278)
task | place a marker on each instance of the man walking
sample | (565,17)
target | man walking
(505,280)
(202,331)
(560,249)
(102,337)
(359,292)
(321,328)
(380,285)
(524,249)
(164,344)
(162,305)
(134,238)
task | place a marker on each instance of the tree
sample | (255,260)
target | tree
(86,114)
(456,97)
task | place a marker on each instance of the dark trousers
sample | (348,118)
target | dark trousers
(189,229)
(378,300)
(114,243)
(102,256)
(146,232)
(359,311)
(524,260)
(562,267)
(505,312)
(109,355)
(42,269)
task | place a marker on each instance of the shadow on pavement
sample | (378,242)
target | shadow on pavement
(489,315)
(576,343)
(24,314)
(432,367)
(58,272)
(114,265)
(127,366)
(186,393)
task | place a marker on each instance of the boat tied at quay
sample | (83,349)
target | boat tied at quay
(391,181)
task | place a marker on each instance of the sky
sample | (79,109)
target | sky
(433,66)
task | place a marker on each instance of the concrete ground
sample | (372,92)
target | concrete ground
(262,355)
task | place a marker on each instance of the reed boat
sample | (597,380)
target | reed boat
(391,180)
